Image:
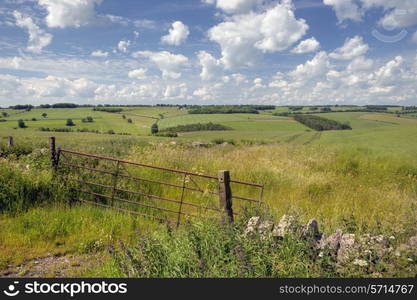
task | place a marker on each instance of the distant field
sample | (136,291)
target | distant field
(379,132)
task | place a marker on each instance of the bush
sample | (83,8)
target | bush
(88,120)
(45,115)
(111,131)
(70,122)
(167,134)
(130,121)
(21,124)
(154,128)
(34,119)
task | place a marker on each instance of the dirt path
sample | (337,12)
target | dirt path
(51,266)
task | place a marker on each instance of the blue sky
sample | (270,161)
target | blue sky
(279,52)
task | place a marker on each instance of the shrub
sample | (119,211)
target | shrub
(4,114)
(21,124)
(167,134)
(34,119)
(70,122)
(130,121)
(111,131)
(45,115)
(154,128)
(88,120)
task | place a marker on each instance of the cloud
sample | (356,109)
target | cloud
(235,6)
(70,13)
(177,35)
(352,48)
(123,45)
(314,68)
(99,53)
(398,13)
(414,38)
(243,37)
(360,64)
(138,74)
(170,64)
(176,91)
(211,67)
(38,39)
(307,46)
(145,23)
(345,9)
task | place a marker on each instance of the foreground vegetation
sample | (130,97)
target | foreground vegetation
(362,180)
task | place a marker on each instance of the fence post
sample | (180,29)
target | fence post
(10,142)
(52,147)
(225,196)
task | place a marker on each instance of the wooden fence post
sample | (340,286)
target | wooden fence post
(225,197)
(52,147)
(10,142)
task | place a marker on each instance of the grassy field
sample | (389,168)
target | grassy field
(360,180)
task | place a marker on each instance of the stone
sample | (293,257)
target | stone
(265,229)
(331,243)
(252,226)
(348,248)
(287,225)
(311,230)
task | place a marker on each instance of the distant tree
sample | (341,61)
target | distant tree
(130,121)
(21,124)
(124,116)
(70,122)
(154,128)
(88,120)
(45,115)
(4,114)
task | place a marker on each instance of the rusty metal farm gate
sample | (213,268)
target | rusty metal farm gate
(156,192)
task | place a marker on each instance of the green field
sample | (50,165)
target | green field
(362,180)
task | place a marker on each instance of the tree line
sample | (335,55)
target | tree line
(321,124)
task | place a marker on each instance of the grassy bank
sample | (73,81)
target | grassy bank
(350,188)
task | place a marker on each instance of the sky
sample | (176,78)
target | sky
(280,52)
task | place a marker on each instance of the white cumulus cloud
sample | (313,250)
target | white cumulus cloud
(211,67)
(177,35)
(138,73)
(242,37)
(170,64)
(70,13)
(38,39)
(352,48)
(235,6)
(345,9)
(306,46)
(123,45)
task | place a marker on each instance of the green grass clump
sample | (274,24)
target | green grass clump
(21,189)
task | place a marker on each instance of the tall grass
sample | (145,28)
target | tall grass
(346,188)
